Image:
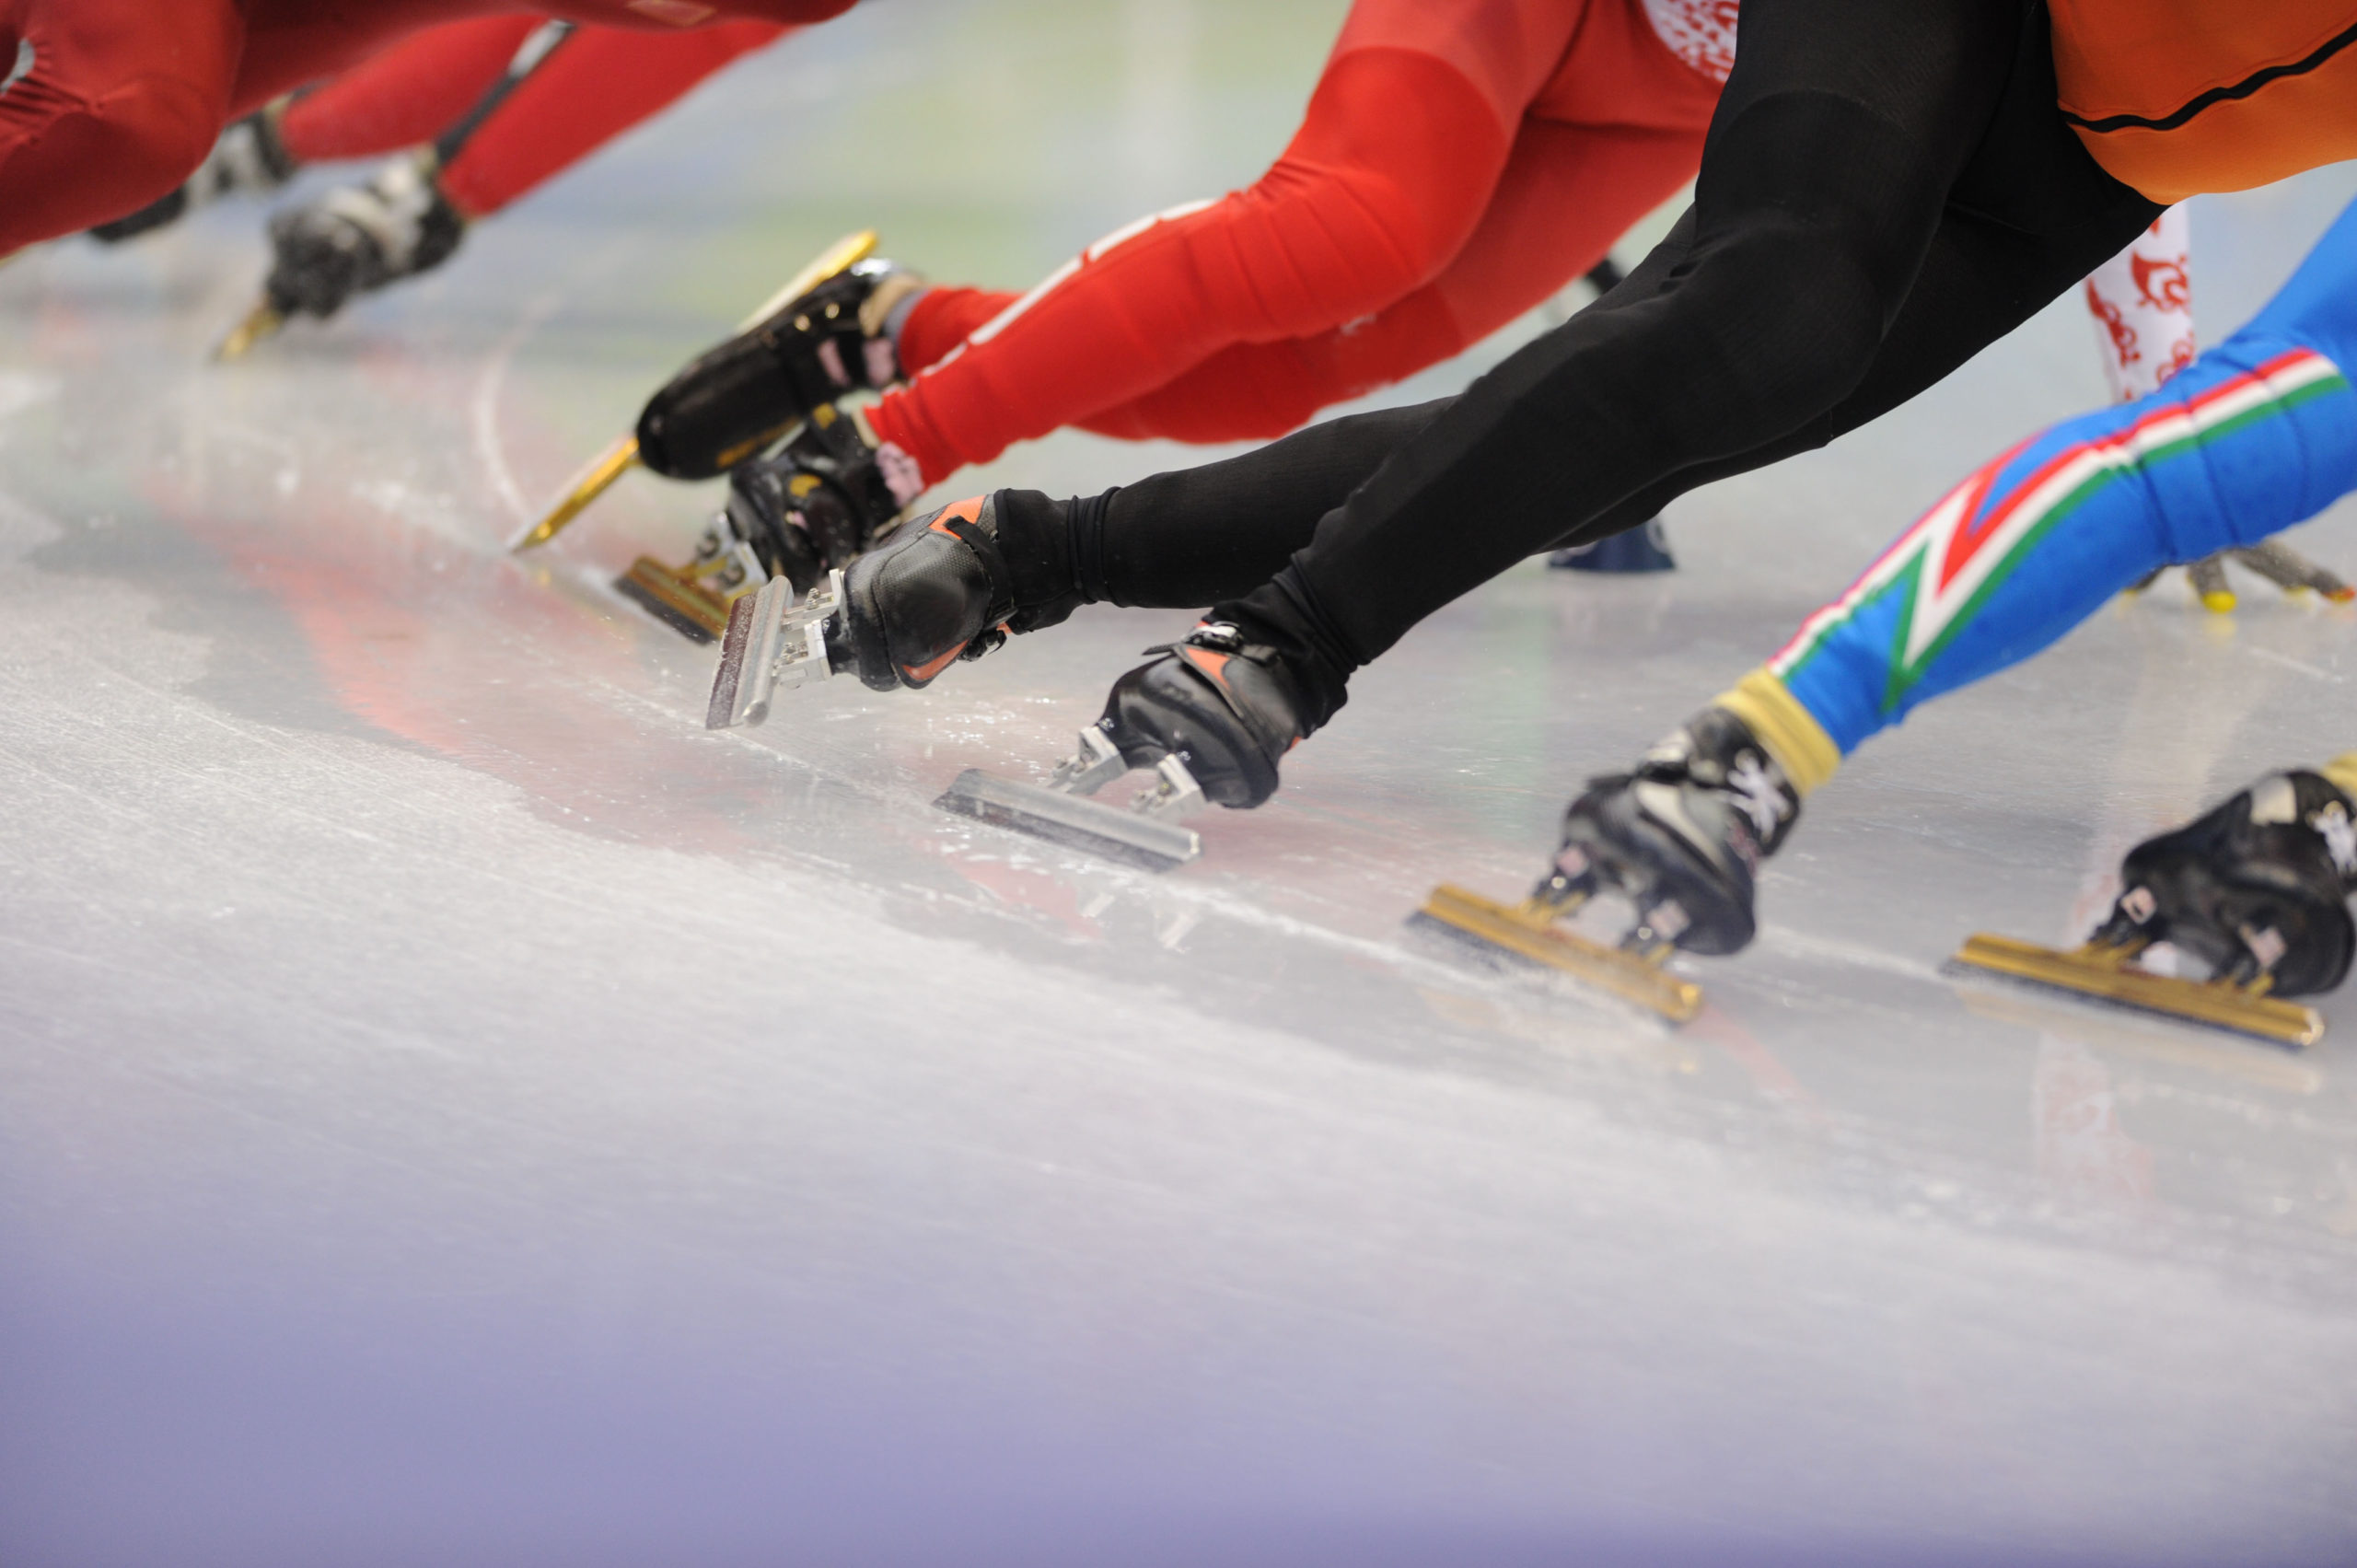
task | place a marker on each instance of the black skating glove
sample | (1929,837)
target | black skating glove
(2258,887)
(361,237)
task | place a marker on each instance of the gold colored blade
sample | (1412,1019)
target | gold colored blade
(1528,931)
(673,596)
(610,465)
(263,321)
(848,252)
(2106,976)
(594,480)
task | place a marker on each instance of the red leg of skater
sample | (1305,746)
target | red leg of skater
(598,83)
(1568,194)
(410,94)
(1405,137)
(108,104)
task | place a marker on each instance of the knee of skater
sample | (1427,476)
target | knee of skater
(144,139)
(1795,310)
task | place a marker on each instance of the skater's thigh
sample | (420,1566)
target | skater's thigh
(1507,49)
(107,105)
(1568,193)
(1980,280)
(291,43)
(1850,121)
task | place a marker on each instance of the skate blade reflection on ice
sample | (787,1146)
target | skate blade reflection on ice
(599,474)
(1529,933)
(1146,835)
(2105,975)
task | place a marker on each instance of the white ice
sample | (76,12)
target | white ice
(454,1109)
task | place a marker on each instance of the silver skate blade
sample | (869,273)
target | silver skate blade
(771,641)
(2105,976)
(1528,934)
(1151,843)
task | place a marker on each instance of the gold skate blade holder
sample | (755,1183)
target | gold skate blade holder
(1146,835)
(602,472)
(262,321)
(2105,974)
(679,597)
(1529,932)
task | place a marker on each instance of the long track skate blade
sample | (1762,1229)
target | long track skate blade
(1531,936)
(2102,977)
(262,321)
(675,599)
(1131,837)
(596,478)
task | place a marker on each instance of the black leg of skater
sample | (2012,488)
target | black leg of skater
(1886,190)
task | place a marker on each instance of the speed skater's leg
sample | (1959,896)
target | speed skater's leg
(1389,176)
(600,84)
(2254,436)
(106,106)
(406,95)
(1887,191)
(562,93)
(1567,194)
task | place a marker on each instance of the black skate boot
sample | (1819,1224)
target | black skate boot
(1227,706)
(2258,889)
(814,507)
(1681,837)
(351,241)
(732,400)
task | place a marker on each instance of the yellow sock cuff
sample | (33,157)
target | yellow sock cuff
(2342,771)
(1789,731)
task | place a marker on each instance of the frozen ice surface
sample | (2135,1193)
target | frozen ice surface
(453,1109)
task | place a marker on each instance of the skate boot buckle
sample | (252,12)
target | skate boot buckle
(771,643)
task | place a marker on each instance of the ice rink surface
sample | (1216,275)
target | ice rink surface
(455,1109)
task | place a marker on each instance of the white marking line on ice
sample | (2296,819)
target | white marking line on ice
(485,408)
(2288,662)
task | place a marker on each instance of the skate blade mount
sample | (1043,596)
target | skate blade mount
(771,641)
(262,321)
(599,474)
(2104,974)
(678,597)
(1530,933)
(1146,835)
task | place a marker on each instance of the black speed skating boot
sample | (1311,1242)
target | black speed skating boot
(732,400)
(1681,836)
(1226,705)
(822,502)
(361,237)
(814,507)
(2258,889)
